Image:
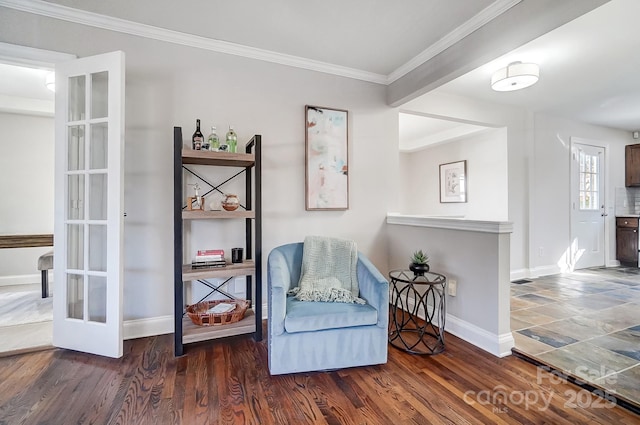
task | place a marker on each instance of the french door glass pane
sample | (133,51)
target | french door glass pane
(75,145)
(97,196)
(77,92)
(99,92)
(75,187)
(75,246)
(97,303)
(98,149)
(75,296)
(98,247)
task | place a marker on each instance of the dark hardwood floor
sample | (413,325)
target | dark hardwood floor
(227,382)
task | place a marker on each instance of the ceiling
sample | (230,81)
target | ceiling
(589,67)
(589,70)
(377,36)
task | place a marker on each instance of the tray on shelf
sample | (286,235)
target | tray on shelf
(198,313)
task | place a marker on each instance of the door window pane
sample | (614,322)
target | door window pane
(75,148)
(97,302)
(77,91)
(99,95)
(75,209)
(589,196)
(98,148)
(97,197)
(98,247)
(75,296)
(75,246)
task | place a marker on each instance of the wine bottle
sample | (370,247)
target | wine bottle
(232,140)
(197,139)
(213,141)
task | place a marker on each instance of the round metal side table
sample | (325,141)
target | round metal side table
(412,294)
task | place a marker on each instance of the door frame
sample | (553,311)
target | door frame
(605,198)
(29,57)
(14,54)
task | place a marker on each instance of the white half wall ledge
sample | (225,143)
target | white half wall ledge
(451,223)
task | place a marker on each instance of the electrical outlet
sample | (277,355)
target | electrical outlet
(453,287)
(541,252)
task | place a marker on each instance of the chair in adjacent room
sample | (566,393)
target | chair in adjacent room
(310,335)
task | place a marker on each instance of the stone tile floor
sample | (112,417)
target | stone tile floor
(586,323)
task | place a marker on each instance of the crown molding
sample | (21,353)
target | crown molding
(69,14)
(488,14)
(77,16)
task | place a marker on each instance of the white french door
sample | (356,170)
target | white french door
(587,205)
(88,223)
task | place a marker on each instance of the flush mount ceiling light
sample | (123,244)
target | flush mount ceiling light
(515,76)
(50,81)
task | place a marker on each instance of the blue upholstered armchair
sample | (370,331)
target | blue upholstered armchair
(307,335)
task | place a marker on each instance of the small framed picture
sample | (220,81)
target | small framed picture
(453,182)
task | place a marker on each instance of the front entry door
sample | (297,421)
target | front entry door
(87,301)
(587,206)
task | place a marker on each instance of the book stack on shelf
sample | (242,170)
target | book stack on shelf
(208,258)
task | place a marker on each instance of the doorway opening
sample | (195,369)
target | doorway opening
(26,193)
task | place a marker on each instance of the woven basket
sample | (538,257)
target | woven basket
(199,316)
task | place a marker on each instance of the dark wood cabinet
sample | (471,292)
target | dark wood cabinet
(627,240)
(632,165)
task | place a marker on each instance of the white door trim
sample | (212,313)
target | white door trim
(15,54)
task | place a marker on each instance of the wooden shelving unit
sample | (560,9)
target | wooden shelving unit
(185,331)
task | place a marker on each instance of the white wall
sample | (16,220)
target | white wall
(538,175)
(26,191)
(519,125)
(551,189)
(487,180)
(171,85)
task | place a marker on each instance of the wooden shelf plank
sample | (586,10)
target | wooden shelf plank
(195,333)
(226,159)
(201,215)
(246,268)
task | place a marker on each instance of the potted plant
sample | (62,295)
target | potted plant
(419,263)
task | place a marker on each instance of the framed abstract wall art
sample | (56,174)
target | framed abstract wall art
(326,159)
(453,182)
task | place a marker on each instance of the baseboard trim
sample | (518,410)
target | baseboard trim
(534,272)
(498,345)
(24,279)
(160,325)
(546,271)
(519,274)
(152,326)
